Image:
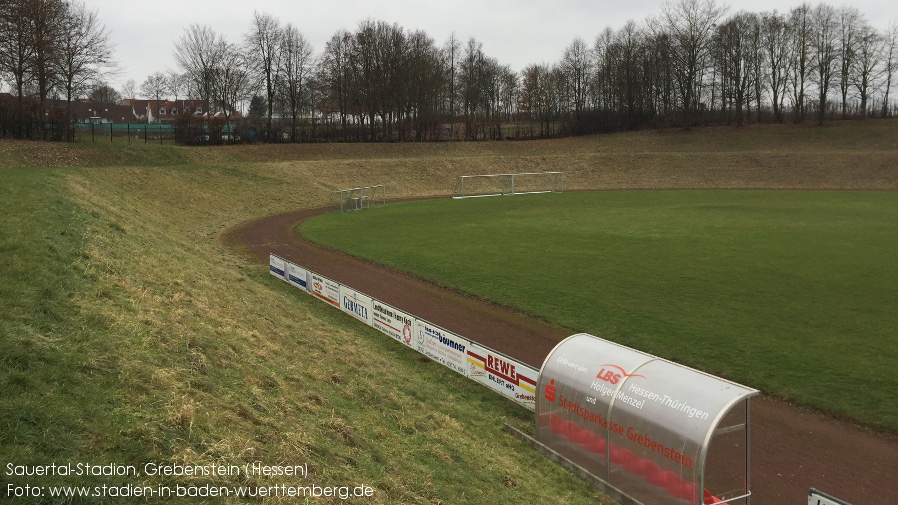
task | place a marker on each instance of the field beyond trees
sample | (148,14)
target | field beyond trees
(131,333)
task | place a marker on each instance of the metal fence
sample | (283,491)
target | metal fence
(114,132)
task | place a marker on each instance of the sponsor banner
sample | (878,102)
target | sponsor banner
(356,304)
(324,288)
(394,323)
(442,346)
(297,276)
(502,374)
(276,266)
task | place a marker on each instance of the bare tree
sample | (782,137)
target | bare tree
(198,55)
(263,42)
(389,84)
(867,68)
(800,61)
(84,52)
(336,75)
(451,57)
(776,41)
(850,21)
(155,86)
(17,55)
(733,47)
(129,90)
(232,79)
(576,63)
(472,84)
(509,88)
(104,94)
(217,68)
(175,84)
(633,73)
(47,23)
(536,96)
(758,63)
(690,24)
(528,100)
(825,47)
(426,75)
(16,50)
(477,84)
(30,38)
(296,63)
(890,63)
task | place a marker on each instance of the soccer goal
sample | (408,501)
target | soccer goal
(360,198)
(470,186)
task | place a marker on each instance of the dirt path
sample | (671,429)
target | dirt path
(792,450)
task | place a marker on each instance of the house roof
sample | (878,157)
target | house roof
(88,109)
(155,105)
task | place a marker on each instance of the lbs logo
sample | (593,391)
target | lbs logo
(611,376)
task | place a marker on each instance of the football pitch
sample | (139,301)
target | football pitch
(790,292)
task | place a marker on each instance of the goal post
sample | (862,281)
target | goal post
(359,198)
(471,186)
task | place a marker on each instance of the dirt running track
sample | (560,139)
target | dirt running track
(792,450)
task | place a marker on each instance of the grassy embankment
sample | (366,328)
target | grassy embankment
(130,334)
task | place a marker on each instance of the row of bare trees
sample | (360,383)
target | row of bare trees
(781,59)
(379,82)
(49,50)
(273,60)
(691,64)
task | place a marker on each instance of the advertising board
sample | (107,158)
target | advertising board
(442,346)
(276,266)
(325,289)
(393,322)
(297,276)
(356,304)
(502,374)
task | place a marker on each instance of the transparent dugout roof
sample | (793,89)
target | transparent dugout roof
(641,423)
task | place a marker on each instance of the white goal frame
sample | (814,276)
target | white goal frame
(360,198)
(508,184)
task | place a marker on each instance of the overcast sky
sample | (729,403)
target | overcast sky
(516,32)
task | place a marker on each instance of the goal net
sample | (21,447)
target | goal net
(469,186)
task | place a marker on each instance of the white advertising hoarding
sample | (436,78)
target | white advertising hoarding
(297,276)
(356,304)
(502,374)
(276,266)
(393,322)
(324,289)
(442,346)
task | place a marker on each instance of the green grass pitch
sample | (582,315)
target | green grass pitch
(791,292)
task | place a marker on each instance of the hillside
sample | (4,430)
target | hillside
(132,334)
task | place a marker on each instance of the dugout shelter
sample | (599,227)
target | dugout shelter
(655,430)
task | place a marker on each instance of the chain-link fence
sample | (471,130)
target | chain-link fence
(124,133)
